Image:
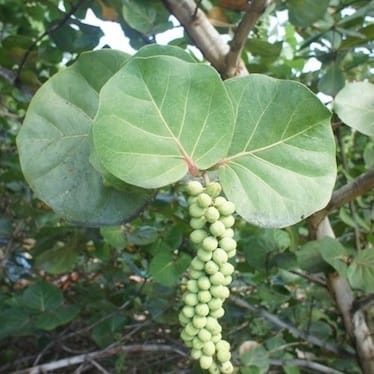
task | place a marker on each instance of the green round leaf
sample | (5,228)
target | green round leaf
(281,164)
(148,17)
(167,117)
(354,104)
(57,260)
(361,270)
(42,296)
(305,12)
(54,148)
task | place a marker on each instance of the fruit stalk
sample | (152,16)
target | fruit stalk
(209,275)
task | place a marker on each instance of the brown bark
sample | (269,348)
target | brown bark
(204,35)
(355,322)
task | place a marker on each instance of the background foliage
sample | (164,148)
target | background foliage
(68,290)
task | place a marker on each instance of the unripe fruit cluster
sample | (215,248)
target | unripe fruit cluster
(210,274)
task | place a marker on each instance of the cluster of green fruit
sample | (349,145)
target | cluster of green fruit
(209,275)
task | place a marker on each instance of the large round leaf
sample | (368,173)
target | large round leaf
(146,51)
(354,104)
(54,149)
(281,164)
(167,116)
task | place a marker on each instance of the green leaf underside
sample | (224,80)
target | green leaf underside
(361,270)
(354,104)
(168,116)
(54,148)
(281,164)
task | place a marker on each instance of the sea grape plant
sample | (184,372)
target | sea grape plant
(103,135)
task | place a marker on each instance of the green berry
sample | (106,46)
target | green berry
(217,228)
(204,255)
(197,264)
(199,322)
(194,188)
(223,345)
(204,296)
(197,236)
(213,189)
(226,208)
(212,214)
(219,200)
(204,200)
(190,329)
(195,274)
(192,286)
(221,292)
(217,279)
(220,256)
(202,310)
(211,267)
(209,348)
(190,299)
(229,233)
(214,369)
(198,223)
(196,353)
(227,368)
(204,335)
(196,211)
(226,269)
(197,343)
(192,200)
(216,338)
(231,254)
(228,221)
(183,319)
(228,280)
(218,313)
(204,283)
(212,325)
(188,311)
(206,362)
(215,303)
(185,336)
(223,356)
(228,244)
(210,243)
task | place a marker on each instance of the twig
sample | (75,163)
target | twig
(197,7)
(203,33)
(316,367)
(55,27)
(99,367)
(310,277)
(253,13)
(292,329)
(358,187)
(76,360)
